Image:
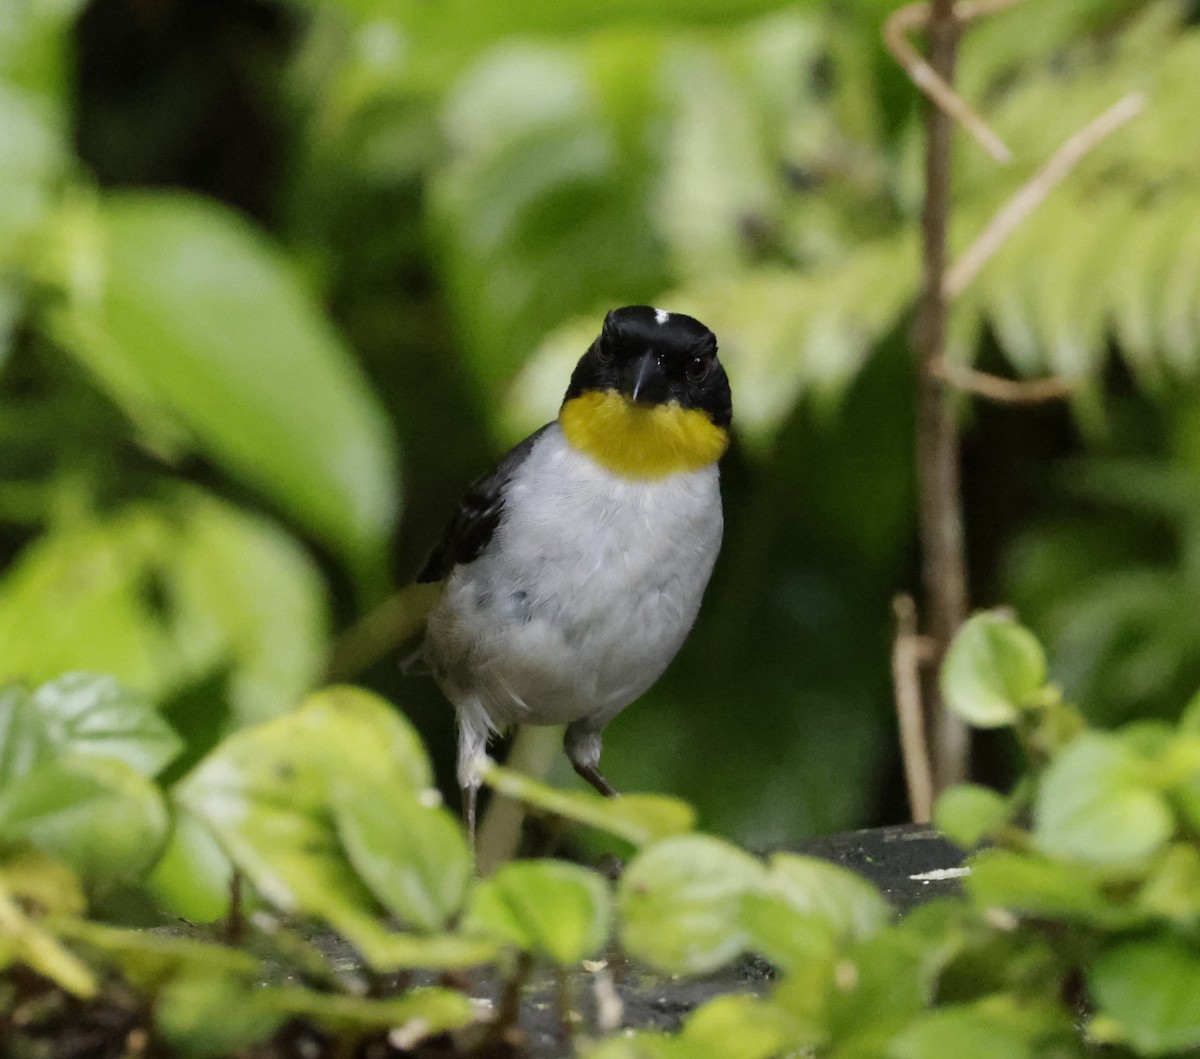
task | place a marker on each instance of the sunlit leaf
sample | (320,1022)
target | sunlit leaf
(547,906)
(1098,803)
(968,813)
(959,1030)
(993,669)
(210,1015)
(413,856)
(98,815)
(637,818)
(193,313)
(679,903)
(1038,886)
(166,594)
(92,714)
(268,795)
(1149,990)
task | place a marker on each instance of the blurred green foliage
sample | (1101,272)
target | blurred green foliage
(269,268)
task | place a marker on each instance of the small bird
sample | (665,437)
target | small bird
(574,571)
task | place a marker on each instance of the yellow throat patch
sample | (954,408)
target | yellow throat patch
(641,441)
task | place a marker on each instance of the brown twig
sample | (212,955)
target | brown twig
(909,649)
(925,74)
(1033,192)
(1001,390)
(943,553)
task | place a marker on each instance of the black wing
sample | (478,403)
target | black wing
(477,517)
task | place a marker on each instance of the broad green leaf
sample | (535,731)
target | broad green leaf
(967,814)
(22,940)
(417,1014)
(959,1030)
(45,883)
(1171,888)
(211,1015)
(192,877)
(880,985)
(192,316)
(637,818)
(784,935)
(163,595)
(746,1026)
(679,903)
(267,793)
(1037,886)
(993,669)
(35,154)
(546,906)
(412,855)
(98,815)
(1148,991)
(23,737)
(92,714)
(851,906)
(1098,803)
(150,959)
(808,907)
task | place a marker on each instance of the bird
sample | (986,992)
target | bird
(573,572)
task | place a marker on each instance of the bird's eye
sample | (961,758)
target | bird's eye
(604,353)
(698,368)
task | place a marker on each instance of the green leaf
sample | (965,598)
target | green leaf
(96,814)
(47,884)
(993,669)
(418,1014)
(967,814)
(1098,803)
(267,793)
(547,906)
(851,906)
(958,1031)
(165,595)
(637,818)
(1171,888)
(21,940)
(1148,990)
(1037,886)
(213,1015)
(806,908)
(193,317)
(192,877)
(679,903)
(35,154)
(738,1025)
(880,985)
(92,714)
(413,856)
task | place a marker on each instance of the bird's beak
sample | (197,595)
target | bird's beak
(642,380)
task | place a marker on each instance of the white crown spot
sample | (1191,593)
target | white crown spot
(661,316)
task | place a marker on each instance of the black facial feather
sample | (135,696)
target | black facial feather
(684,353)
(473,524)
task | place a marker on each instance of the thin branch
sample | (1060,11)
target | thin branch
(1033,192)
(943,550)
(909,649)
(895,36)
(1003,391)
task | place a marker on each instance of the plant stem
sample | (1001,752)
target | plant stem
(938,465)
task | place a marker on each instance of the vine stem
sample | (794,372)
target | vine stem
(943,552)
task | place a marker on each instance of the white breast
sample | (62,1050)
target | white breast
(584,595)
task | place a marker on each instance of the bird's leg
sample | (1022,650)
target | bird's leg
(468,798)
(582,745)
(473,734)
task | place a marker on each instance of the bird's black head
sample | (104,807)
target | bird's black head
(653,357)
